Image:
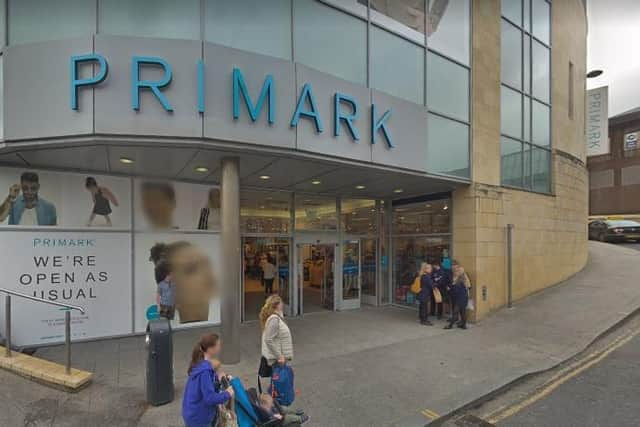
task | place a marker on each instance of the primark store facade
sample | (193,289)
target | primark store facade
(320,150)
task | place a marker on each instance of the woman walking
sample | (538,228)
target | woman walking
(277,344)
(202,393)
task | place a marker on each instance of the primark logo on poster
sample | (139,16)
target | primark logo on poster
(345,112)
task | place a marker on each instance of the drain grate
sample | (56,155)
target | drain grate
(472,421)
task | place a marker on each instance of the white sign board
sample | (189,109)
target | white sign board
(632,141)
(597,121)
(87,269)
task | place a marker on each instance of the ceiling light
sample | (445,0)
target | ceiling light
(316,182)
(428,205)
(201,169)
(126,160)
(398,190)
(265,177)
(445,208)
(360,187)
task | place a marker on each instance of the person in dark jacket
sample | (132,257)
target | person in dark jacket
(441,281)
(425,294)
(459,292)
(202,393)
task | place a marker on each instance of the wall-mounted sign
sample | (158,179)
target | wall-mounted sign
(631,141)
(597,122)
(346,110)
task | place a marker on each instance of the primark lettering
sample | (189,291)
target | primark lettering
(346,110)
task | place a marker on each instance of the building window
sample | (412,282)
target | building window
(448,26)
(262,27)
(359,216)
(316,213)
(446,136)
(447,87)
(166,19)
(404,17)
(265,212)
(330,41)
(40,20)
(526,95)
(404,82)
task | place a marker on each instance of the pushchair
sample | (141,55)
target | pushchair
(248,410)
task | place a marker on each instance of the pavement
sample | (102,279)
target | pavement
(605,395)
(368,367)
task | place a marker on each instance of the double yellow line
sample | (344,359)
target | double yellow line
(561,377)
(429,414)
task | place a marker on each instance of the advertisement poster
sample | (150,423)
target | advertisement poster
(169,205)
(86,269)
(597,121)
(190,263)
(33,198)
(632,141)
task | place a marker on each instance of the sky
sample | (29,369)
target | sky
(614,47)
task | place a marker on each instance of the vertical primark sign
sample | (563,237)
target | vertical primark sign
(346,112)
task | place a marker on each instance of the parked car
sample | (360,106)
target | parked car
(614,230)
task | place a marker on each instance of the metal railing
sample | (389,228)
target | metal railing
(67,322)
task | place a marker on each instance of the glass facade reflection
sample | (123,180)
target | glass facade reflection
(314,213)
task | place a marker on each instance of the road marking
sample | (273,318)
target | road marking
(562,377)
(429,414)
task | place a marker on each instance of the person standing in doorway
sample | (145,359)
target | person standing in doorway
(166,296)
(269,275)
(102,199)
(426,293)
(441,281)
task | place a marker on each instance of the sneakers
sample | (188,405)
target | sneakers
(304,418)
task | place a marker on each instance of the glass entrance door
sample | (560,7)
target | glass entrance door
(369,275)
(351,268)
(316,277)
(266,271)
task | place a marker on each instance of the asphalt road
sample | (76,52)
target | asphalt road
(604,395)
(635,246)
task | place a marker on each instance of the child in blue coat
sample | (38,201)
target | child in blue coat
(201,393)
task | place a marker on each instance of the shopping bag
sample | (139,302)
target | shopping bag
(470,305)
(282,389)
(437,295)
(416,286)
(227,415)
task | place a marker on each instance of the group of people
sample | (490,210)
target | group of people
(436,286)
(204,393)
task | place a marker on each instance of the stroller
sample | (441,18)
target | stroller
(248,409)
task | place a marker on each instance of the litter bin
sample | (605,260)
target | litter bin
(159,343)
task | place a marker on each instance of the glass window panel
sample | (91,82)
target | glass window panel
(540,124)
(405,17)
(540,20)
(369,250)
(447,87)
(151,18)
(541,175)
(357,7)
(512,10)
(408,254)
(359,216)
(527,166)
(511,162)
(316,213)
(1,97)
(350,269)
(261,27)
(265,212)
(526,52)
(448,28)
(404,82)
(527,119)
(330,41)
(431,217)
(40,20)
(445,137)
(526,15)
(3,23)
(511,55)
(540,72)
(511,112)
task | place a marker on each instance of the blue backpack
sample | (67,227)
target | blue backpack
(281,387)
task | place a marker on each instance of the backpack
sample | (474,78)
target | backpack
(416,286)
(282,388)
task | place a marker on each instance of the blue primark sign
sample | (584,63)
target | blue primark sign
(346,110)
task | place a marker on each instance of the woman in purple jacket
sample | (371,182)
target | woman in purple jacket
(201,393)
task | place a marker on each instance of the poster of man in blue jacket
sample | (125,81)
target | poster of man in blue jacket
(28,208)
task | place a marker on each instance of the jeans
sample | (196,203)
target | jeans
(423,311)
(268,286)
(460,308)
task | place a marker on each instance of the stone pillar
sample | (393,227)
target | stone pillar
(231,256)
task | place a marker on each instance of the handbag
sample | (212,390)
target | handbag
(265,370)
(437,296)
(416,286)
(226,415)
